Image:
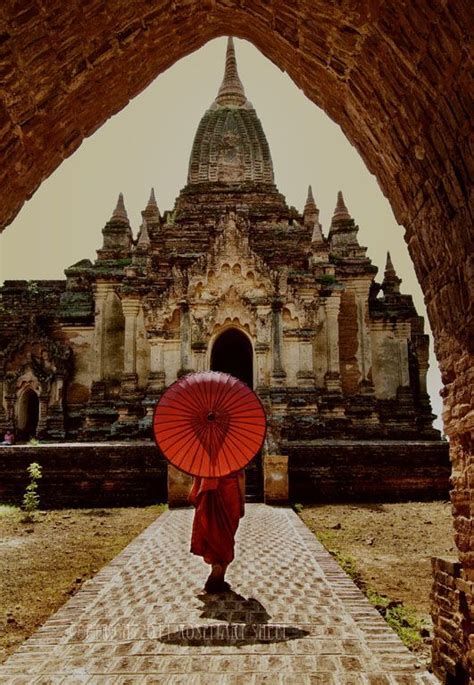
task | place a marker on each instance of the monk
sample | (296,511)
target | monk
(219,504)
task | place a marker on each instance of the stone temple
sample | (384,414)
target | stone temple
(230,279)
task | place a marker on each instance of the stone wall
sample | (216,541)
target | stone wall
(126,474)
(86,475)
(343,470)
(450,598)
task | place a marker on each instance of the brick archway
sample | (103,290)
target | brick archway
(395,77)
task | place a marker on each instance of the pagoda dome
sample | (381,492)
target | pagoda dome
(230,146)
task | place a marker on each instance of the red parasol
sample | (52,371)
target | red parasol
(209,424)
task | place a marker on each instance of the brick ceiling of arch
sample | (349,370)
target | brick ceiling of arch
(393,75)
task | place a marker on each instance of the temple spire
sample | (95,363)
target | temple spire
(117,234)
(343,233)
(231,91)
(120,212)
(311,219)
(310,205)
(152,200)
(143,242)
(391,282)
(151,211)
(341,213)
(389,268)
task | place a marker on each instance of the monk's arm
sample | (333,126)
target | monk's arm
(241,480)
(192,497)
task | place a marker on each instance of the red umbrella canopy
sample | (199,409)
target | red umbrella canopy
(209,424)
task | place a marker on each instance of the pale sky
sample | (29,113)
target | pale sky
(148,144)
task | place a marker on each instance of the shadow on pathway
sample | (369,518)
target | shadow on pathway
(245,622)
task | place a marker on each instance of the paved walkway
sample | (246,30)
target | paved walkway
(293,617)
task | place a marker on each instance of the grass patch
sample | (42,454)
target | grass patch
(347,562)
(401,618)
(9,510)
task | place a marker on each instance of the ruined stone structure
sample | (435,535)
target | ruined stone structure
(395,77)
(231,279)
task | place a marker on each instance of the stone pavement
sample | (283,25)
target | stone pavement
(293,617)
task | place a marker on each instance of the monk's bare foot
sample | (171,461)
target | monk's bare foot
(216,586)
(216,582)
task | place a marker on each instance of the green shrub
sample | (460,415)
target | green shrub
(327,278)
(31,499)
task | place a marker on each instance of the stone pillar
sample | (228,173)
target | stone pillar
(364,351)
(156,379)
(199,352)
(101,290)
(261,372)
(130,307)
(57,391)
(41,429)
(333,374)
(404,372)
(305,374)
(185,335)
(423,366)
(264,327)
(179,485)
(10,398)
(403,333)
(55,419)
(3,415)
(278,373)
(275,479)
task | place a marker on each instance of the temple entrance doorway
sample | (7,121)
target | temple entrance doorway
(232,353)
(28,414)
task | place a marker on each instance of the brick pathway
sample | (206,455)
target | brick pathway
(293,618)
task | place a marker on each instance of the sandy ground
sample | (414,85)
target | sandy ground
(44,563)
(389,546)
(392,544)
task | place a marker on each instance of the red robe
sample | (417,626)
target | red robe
(219,507)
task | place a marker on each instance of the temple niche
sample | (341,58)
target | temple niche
(231,279)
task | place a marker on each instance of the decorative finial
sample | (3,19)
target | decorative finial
(152,200)
(341,213)
(310,203)
(151,211)
(120,212)
(231,91)
(391,282)
(311,218)
(389,268)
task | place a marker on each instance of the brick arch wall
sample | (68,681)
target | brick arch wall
(395,76)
